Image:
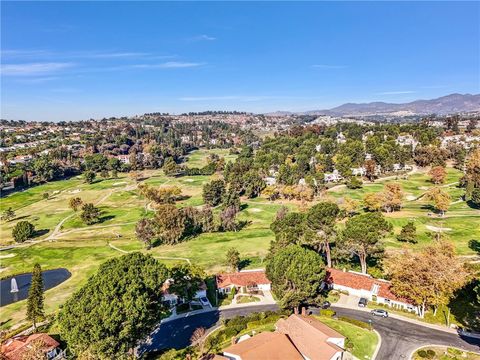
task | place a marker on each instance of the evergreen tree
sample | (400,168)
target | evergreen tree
(35,311)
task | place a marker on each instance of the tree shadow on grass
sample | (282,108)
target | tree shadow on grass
(40,232)
(105,218)
(465,306)
(244,263)
(472,205)
(474,245)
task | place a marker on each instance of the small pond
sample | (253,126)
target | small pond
(51,278)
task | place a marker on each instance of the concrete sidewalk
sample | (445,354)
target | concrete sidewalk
(351,302)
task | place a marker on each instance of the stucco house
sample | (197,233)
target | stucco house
(296,337)
(251,280)
(363,285)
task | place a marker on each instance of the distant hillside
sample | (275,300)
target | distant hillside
(449,104)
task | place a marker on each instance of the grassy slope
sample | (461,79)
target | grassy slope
(364,341)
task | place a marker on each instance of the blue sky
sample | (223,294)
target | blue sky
(76,60)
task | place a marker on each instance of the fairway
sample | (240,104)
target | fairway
(81,248)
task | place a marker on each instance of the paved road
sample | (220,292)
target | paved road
(399,338)
(177,333)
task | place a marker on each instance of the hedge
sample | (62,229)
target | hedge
(356,322)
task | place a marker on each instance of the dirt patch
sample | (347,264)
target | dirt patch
(119,183)
(411,197)
(256,210)
(189,180)
(76,191)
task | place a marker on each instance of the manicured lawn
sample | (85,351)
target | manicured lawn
(247,299)
(364,341)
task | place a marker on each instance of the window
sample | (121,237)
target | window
(375,289)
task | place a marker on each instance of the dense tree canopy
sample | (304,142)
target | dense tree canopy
(296,274)
(362,237)
(116,308)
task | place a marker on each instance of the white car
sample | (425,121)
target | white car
(379,312)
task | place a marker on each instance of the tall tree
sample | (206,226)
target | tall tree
(429,277)
(440,199)
(408,233)
(116,309)
(362,237)
(90,214)
(22,231)
(321,220)
(232,259)
(296,274)
(438,174)
(35,311)
(213,192)
(75,203)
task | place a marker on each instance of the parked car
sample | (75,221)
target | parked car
(380,312)
(204,301)
(325,305)
(362,302)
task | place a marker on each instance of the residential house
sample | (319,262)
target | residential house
(360,171)
(363,285)
(172,300)
(124,159)
(341,139)
(251,280)
(18,348)
(333,176)
(297,337)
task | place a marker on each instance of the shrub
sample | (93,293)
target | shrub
(422,354)
(430,354)
(356,322)
(327,312)
(22,231)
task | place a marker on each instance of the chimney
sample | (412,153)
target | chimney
(304,311)
(234,340)
(295,310)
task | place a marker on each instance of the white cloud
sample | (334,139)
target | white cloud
(400,92)
(167,65)
(326,66)
(33,69)
(204,37)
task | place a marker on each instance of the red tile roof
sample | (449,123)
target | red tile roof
(361,282)
(310,336)
(242,278)
(265,346)
(15,348)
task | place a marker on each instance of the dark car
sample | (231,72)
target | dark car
(380,312)
(325,305)
(362,302)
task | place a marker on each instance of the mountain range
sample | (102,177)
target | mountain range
(449,104)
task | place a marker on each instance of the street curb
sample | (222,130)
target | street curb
(403,318)
(379,345)
(410,357)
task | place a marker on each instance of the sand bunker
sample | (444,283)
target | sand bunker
(119,183)
(76,191)
(255,210)
(6,256)
(189,180)
(437,229)
(411,197)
